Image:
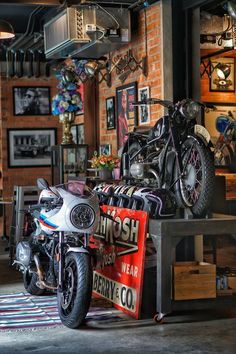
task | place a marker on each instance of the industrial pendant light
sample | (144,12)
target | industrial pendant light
(6,30)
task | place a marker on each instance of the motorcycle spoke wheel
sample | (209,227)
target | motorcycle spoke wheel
(196,186)
(74,300)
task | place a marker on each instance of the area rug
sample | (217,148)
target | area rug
(19,311)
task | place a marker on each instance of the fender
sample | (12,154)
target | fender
(200,140)
(77,250)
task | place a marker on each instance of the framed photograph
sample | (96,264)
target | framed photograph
(223,75)
(30,147)
(210,117)
(110,112)
(143,111)
(80,92)
(105,149)
(126,112)
(31,101)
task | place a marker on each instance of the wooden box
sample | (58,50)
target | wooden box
(192,280)
(232,283)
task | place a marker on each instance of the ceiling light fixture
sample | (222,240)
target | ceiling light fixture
(6,30)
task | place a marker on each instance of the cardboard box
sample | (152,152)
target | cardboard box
(192,280)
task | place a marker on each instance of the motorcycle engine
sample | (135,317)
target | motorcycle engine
(138,170)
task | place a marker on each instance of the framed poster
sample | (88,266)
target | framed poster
(78,133)
(223,76)
(126,113)
(110,112)
(105,149)
(30,147)
(31,100)
(143,111)
(210,117)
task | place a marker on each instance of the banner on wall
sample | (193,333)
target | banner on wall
(120,246)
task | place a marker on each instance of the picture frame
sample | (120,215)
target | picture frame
(210,117)
(30,147)
(126,112)
(110,113)
(78,133)
(144,111)
(31,101)
(223,75)
(80,91)
(105,149)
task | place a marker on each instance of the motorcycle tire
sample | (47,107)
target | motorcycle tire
(195,190)
(30,284)
(74,301)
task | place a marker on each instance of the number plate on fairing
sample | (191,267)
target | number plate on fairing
(200,130)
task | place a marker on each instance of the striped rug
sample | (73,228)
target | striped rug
(21,311)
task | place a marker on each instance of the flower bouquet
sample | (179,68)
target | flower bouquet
(104,162)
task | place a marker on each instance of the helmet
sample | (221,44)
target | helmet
(114,200)
(104,192)
(222,122)
(139,200)
(162,203)
(125,197)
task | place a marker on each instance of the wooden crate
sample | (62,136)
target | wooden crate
(232,283)
(194,281)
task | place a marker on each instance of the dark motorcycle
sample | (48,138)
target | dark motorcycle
(175,155)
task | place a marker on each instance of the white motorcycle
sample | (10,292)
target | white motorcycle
(56,256)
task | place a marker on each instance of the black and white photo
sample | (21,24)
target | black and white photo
(144,111)
(110,112)
(33,100)
(30,147)
(105,149)
(78,133)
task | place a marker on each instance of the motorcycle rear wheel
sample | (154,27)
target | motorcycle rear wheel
(30,284)
(74,301)
(195,189)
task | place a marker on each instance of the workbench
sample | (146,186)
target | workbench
(166,234)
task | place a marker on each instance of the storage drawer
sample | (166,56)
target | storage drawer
(194,281)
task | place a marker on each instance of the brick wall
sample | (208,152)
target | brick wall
(154,79)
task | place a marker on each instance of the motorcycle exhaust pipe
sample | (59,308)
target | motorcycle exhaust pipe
(42,283)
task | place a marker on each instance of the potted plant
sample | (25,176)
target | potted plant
(105,164)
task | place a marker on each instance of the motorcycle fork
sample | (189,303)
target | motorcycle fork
(61,247)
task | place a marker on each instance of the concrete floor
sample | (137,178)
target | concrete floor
(186,332)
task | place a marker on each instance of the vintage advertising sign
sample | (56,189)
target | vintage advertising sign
(121,248)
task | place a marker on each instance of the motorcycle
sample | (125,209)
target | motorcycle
(56,256)
(175,155)
(224,150)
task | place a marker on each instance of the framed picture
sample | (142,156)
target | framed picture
(80,92)
(126,112)
(30,147)
(105,149)
(31,101)
(210,117)
(143,111)
(110,112)
(223,75)
(78,133)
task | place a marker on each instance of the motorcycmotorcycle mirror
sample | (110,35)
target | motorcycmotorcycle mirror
(42,184)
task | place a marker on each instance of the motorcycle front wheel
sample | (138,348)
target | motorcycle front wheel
(196,186)
(74,301)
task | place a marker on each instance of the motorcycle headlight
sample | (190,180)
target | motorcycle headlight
(189,109)
(23,253)
(82,216)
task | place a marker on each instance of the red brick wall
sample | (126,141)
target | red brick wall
(153,80)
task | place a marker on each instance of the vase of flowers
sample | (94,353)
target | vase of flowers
(66,102)
(105,165)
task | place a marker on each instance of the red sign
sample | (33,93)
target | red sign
(121,248)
